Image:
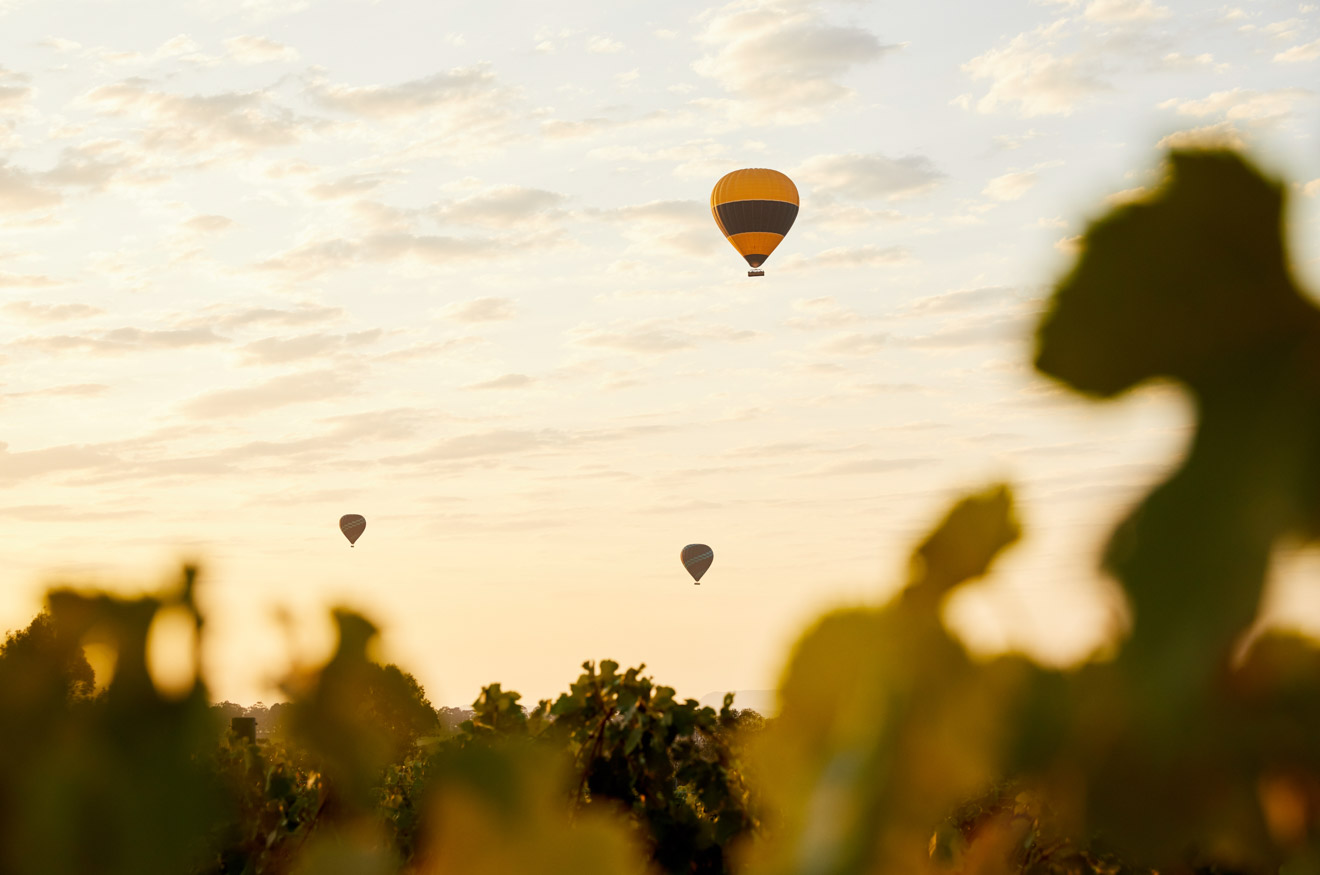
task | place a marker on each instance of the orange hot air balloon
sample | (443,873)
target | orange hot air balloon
(696,559)
(352,525)
(754,208)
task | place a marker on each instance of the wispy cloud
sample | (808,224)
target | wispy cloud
(459,90)
(1032,75)
(228,123)
(783,60)
(20,191)
(821,314)
(857,176)
(866,255)
(69,390)
(259,50)
(507,381)
(120,341)
(15,467)
(28,281)
(656,336)
(1243,104)
(302,315)
(32,311)
(681,226)
(1010,186)
(271,394)
(312,259)
(1125,11)
(281,350)
(480,310)
(505,206)
(1299,54)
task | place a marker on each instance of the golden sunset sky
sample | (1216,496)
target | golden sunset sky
(451,266)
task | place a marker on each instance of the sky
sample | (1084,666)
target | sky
(451,266)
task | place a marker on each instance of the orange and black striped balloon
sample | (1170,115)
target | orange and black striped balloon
(754,208)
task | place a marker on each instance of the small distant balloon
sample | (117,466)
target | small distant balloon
(696,559)
(352,525)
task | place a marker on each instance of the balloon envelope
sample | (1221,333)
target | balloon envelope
(352,525)
(696,559)
(754,208)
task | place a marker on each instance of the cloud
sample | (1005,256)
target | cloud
(505,206)
(1028,75)
(1286,29)
(60,513)
(964,299)
(240,121)
(687,152)
(822,313)
(71,390)
(179,48)
(1012,142)
(508,381)
(558,129)
(655,336)
(497,442)
(867,255)
(870,176)
(462,93)
(480,310)
(304,314)
(422,352)
(20,192)
(1312,188)
(271,394)
(856,343)
(872,466)
(28,281)
(681,226)
(310,259)
(1010,186)
(92,166)
(1008,325)
(60,44)
(603,45)
(35,312)
(259,50)
(1222,135)
(52,460)
(210,224)
(1125,11)
(280,350)
(834,216)
(14,91)
(615,118)
(1243,104)
(782,59)
(1176,61)
(121,340)
(1300,53)
(349,186)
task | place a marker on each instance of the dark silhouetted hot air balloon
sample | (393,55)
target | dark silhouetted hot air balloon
(754,208)
(696,559)
(352,525)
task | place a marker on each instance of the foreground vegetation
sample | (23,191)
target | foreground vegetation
(893,751)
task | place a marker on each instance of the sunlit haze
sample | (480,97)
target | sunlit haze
(451,266)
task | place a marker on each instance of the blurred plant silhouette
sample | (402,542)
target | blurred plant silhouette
(1184,751)
(893,750)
